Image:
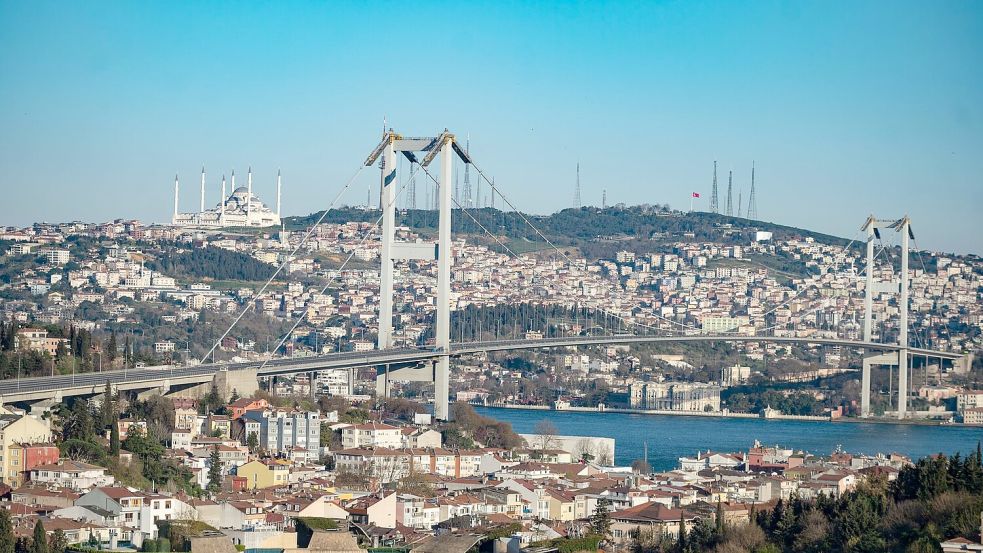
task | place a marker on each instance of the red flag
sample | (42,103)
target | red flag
(696,194)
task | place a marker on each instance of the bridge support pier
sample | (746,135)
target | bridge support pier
(888,359)
(424,372)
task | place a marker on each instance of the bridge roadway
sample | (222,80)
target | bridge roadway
(60,386)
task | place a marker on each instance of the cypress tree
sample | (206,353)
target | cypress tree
(7,539)
(114,439)
(681,542)
(214,471)
(39,543)
(720,519)
(112,348)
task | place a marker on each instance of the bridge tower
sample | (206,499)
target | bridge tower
(899,288)
(445,146)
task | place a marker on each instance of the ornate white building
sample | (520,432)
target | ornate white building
(241,209)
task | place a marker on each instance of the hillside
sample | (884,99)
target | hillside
(597,232)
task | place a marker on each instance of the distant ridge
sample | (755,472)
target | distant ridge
(573,226)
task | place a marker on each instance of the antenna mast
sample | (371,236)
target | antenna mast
(714,204)
(752,206)
(730,185)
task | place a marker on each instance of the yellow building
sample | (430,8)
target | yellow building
(259,474)
(18,429)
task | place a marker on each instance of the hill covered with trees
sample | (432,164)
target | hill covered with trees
(586,227)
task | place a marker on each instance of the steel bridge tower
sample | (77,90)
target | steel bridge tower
(444,145)
(898,287)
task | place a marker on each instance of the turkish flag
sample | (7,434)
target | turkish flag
(696,194)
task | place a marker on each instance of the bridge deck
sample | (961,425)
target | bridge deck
(87,383)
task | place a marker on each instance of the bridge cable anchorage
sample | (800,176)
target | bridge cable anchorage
(284,263)
(332,280)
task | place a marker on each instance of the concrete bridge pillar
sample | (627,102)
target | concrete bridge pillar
(244,381)
(889,359)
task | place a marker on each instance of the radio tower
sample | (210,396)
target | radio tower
(752,206)
(730,185)
(576,191)
(740,199)
(714,204)
(604,199)
(466,201)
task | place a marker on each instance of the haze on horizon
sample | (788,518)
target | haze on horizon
(846,108)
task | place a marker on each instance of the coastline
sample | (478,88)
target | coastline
(727,415)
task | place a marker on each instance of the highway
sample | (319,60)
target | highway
(150,377)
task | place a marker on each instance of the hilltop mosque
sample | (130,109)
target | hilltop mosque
(241,209)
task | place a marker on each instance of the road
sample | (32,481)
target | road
(83,383)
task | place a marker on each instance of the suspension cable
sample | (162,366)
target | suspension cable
(284,263)
(341,268)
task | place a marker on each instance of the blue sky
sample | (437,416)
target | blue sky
(847,108)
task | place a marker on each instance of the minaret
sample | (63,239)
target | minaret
(201,208)
(278,190)
(174,218)
(249,194)
(221,204)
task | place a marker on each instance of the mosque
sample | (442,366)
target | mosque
(241,209)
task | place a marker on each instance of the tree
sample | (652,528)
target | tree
(114,439)
(58,542)
(108,411)
(214,471)
(547,435)
(600,520)
(253,442)
(585,449)
(641,466)
(39,543)
(112,348)
(234,397)
(721,525)
(7,540)
(79,423)
(211,401)
(681,542)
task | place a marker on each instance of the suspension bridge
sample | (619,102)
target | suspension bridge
(431,362)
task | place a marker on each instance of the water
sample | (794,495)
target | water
(671,437)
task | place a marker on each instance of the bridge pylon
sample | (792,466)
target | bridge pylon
(897,287)
(445,146)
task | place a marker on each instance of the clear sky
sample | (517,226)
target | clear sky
(847,108)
